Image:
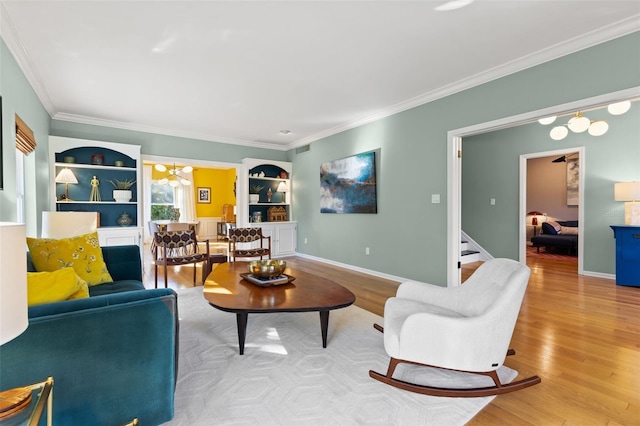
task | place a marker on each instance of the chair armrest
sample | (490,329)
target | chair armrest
(462,343)
(268,238)
(426,293)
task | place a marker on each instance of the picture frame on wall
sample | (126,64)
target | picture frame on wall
(348,185)
(204,195)
(573,181)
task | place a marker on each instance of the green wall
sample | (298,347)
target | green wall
(408,236)
(612,157)
(19,98)
(163,145)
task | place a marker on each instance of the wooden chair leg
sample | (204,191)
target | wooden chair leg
(165,275)
(156,274)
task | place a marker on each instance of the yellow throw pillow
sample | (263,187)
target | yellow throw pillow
(82,253)
(48,287)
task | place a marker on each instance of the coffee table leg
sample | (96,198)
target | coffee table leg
(241,318)
(324,326)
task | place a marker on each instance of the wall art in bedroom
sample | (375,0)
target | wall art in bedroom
(348,185)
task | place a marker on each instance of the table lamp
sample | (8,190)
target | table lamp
(66,176)
(282,187)
(13,303)
(630,193)
(534,219)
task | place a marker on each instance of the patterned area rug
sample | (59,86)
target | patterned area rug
(285,376)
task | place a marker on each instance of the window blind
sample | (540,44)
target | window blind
(25,141)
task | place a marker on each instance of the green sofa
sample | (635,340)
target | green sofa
(113,356)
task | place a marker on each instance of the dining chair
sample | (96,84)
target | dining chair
(175,248)
(240,238)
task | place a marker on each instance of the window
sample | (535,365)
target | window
(25,144)
(162,200)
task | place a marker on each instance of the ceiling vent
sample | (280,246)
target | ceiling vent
(301,149)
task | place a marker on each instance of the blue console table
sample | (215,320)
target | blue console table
(627,255)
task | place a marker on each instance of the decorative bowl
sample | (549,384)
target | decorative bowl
(269,268)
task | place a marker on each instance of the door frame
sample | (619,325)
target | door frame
(454,181)
(522,228)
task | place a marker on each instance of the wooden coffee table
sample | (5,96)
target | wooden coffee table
(226,290)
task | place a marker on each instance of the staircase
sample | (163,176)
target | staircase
(466,255)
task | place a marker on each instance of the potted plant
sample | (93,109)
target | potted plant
(122,191)
(254,193)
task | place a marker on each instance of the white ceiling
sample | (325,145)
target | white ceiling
(241,71)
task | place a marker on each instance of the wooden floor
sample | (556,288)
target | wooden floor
(581,335)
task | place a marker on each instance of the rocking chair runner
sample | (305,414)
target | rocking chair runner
(467,328)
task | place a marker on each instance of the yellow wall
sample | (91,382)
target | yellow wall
(221,184)
(219,180)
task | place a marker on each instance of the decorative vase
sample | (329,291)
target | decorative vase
(122,195)
(254,198)
(125,219)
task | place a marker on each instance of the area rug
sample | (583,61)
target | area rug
(285,377)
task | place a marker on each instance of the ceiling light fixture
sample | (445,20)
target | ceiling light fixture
(452,5)
(175,175)
(579,123)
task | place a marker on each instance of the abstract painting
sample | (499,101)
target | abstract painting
(573,180)
(348,185)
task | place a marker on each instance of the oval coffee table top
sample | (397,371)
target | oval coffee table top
(226,290)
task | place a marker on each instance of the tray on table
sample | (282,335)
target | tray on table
(268,282)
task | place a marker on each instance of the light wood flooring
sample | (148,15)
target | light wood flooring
(581,335)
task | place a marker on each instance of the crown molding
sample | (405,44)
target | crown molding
(14,44)
(621,28)
(601,35)
(164,131)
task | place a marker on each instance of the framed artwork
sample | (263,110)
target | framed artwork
(573,181)
(348,185)
(204,195)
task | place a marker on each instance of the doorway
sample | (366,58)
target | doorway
(555,158)
(454,149)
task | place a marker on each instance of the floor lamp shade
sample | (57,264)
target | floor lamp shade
(629,192)
(13,281)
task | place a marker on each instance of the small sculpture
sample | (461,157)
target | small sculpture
(269,194)
(95,192)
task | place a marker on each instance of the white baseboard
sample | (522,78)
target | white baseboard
(354,268)
(600,275)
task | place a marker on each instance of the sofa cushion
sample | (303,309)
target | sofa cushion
(568,230)
(48,287)
(115,287)
(82,253)
(550,228)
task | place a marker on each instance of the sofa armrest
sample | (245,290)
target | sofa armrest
(123,262)
(112,357)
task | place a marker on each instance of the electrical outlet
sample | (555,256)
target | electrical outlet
(493,201)
(435,198)
(305,240)
(366,251)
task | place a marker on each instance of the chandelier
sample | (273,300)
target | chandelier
(579,123)
(175,177)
